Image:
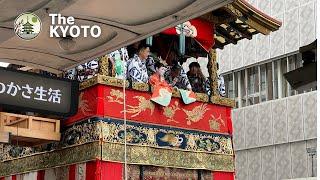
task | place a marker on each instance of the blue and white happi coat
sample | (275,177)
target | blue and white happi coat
(137,70)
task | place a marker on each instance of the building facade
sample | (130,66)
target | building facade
(274,124)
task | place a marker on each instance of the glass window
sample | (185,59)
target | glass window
(228,79)
(235,84)
(226,82)
(230,86)
(284,81)
(253,85)
(237,104)
(263,82)
(292,62)
(236,77)
(243,88)
(298,60)
(292,66)
(275,80)
(269,81)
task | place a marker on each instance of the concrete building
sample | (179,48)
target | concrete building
(274,124)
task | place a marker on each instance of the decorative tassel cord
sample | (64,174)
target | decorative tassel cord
(124,117)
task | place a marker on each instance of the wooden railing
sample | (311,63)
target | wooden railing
(29,130)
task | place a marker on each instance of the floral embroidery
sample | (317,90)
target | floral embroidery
(170,111)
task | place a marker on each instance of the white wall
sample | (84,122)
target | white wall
(270,138)
(298,28)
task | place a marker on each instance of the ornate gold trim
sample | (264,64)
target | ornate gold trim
(261,18)
(89,82)
(167,158)
(257,26)
(202,97)
(234,10)
(212,68)
(254,18)
(62,157)
(104,66)
(111,81)
(115,152)
(140,86)
(223,101)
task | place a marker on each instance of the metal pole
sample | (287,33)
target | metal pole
(279,71)
(312,173)
(182,41)
(246,85)
(239,89)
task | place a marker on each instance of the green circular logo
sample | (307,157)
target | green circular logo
(27,26)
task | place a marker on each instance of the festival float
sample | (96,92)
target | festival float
(119,132)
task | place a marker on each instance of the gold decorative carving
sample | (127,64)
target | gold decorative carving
(116,96)
(212,68)
(140,86)
(234,10)
(143,105)
(242,8)
(89,82)
(167,158)
(51,159)
(115,152)
(170,111)
(104,66)
(223,101)
(196,114)
(202,97)
(112,81)
(257,26)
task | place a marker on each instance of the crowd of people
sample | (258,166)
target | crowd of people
(142,66)
(137,64)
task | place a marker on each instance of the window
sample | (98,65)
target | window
(275,79)
(284,82)
(243,88)
(298,61)
(263,82)
(269,81)
(231,90)
(253,85)
(235,84)
(292,66)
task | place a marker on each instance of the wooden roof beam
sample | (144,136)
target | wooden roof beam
(223,32)
(240,30)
